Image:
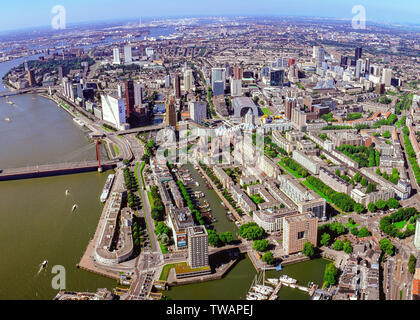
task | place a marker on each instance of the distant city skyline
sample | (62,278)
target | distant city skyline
(27,14)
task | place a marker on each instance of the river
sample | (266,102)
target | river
(36,222)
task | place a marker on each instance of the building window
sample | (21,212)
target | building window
(301,235)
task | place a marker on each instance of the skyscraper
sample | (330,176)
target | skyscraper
(138,94)
(113,110)
(168,81)
(198,111)
(218,81)
(386,77)
(236,87)
(171,118)
(128,57)
(129,98)
(276,77)
(177,87)
(198,248)
(117,59)
(291,103)
(358,70)
(238,73)
(31,78)
(358,53)
(297,230)
(188,80)
(417,235)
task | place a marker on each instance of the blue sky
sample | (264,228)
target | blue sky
(19,14)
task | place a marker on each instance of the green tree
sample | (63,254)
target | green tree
(371,207)
(213,238)
(364,232)
(348,248)
(268,257)
(364,182)
(359,208)
(338,245)
(261,245)
(387,246)
(412,264)
(330,275)
(393,203)
(251,231)
(354,231)
(325,239)
(381,204)
(226,237)
(308,249)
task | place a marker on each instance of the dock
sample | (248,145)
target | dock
(274,295)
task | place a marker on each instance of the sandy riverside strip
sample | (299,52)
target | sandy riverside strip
(86,262)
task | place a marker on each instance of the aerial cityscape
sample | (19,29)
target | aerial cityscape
(195,155)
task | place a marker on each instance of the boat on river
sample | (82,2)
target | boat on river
(107,187)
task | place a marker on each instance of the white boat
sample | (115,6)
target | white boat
(44,264)
(260,296)
(67,192)
(264,290)
(79,122)
(287,279)
(74,207)
(251,296)
(107,187)
(7,119)
(273,281)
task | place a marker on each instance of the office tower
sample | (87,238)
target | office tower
(198,251)
(113,109)
(26,66)
(265,72)
(318,55)
(198,111)
(291,103)
(293,72)
(171,117)
(218,80)
(129,98)
(283,62)
(236,88)
(380,88)
(386,77)
(343,61)
(358,70)
(238,73)
(168,81)
(138,94)
(188,80)
(297,230)
(276,77)
(31,78)
(358,53)
(128,57)
(65,82)
(117,59)
(417,235)
(79,90)
(367,66)
(177,87)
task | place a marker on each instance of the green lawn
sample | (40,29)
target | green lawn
(257,199)
(411,227)
(400,225)
(266,111)
(166,269)
(350,226)
(293,172)
(117,150)
(322,195)
(152,203)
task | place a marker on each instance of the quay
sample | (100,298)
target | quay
(49,170)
